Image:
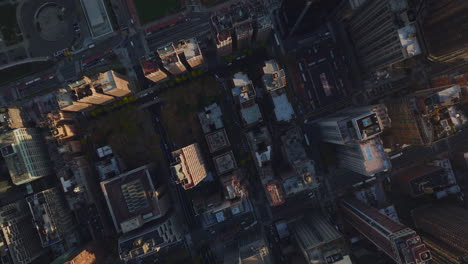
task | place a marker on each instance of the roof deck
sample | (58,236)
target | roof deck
(131,199)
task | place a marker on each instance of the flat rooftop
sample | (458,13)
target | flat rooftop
(97,17)
(131,195)
(409,41)
(293,145)
(189,47)
(211,118)
(243,87)
(283,109)
(225,162)
(168,54)
(251,115)
(149,66)
(222,24)
(190,168)
(217,140)
(273,76)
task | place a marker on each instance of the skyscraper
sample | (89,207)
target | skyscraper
(443,25)
(170,59)
(374,31)
(25,153)
(190,167)
(444,229)
(221,24)
(51,216)
(366,158)
(349,126)
(19,234)
(399,242)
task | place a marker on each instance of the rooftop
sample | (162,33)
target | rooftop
(283,109)
(131,198)
(273,76)
(293,146)
(251,115)
(240,13)
(211,119)
(314,234)
(260,141)
(45,215)
(97,18)
(233,187)
(150,241)
(409,41)
(275,193)
(168,54)
(189,47)
(305,178)
(225,162)
(243,87)
(149,66)
(375,159)
(108,168)
(190,167)
(217,140)
(222,23)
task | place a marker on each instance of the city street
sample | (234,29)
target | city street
(194,25)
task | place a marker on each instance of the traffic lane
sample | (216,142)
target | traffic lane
(156,40)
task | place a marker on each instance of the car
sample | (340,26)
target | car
(90,46)
(131,43)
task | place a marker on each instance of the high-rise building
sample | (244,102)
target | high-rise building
(295,16)
(221,26)
(191,51)
(189,168)
(88,92)
(133,199)
(253,248)
(444,229)
(242,24)
(367,158)
(25,154)
(244,94)
(112,83)
(152,71)
(420,180)
(18,233)
(141,246)
(13,117)
(407,127)
(346,127)
(51,216)
(274,80)
(211,119)
(441,24)
(378,41)
(319,241)
(399,242)
(426,116)
(170,59)
(274,76)
(262,22)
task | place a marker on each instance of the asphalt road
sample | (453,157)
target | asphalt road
(195,25)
